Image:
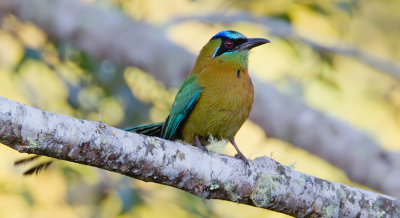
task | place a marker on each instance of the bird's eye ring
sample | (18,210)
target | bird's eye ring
(228,44)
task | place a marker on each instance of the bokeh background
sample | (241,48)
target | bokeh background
(56,75)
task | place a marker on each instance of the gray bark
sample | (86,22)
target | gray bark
(110,35)
(106,35)
(265,183)
(353,151)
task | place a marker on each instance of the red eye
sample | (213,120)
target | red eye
(228,44)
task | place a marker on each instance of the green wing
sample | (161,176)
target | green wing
(185,100)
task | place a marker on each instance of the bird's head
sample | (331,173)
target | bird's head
(228,48)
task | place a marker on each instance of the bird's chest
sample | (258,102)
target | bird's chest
(232,93)
(224,104)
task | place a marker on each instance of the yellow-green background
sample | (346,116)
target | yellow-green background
(342,87)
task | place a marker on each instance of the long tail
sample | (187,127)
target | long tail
(35,169)
(152,129)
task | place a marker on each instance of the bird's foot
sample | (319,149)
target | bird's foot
(239,153)
(202,148)
(243,158)
(198,144)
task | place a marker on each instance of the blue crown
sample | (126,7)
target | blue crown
(229,34)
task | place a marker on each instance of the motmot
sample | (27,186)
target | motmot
(214,100)
(216,97)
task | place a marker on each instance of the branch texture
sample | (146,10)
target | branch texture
(265,183)
(353,151)
(361,157)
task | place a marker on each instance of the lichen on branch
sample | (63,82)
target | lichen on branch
(265,183)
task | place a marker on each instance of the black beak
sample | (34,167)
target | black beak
(251,43)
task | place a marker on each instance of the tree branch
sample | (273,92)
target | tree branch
(106,35)
(282,28)
(353,151)
(361,157)
(265,183)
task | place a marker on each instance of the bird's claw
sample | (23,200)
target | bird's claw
(203,148)
(198,144)
(243,158)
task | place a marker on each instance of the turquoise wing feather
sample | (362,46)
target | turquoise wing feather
(185,100)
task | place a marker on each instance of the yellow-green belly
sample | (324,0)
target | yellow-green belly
(223,107)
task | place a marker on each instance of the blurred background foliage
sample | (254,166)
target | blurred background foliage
(55,76)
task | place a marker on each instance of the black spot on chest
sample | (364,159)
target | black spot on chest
(238,73)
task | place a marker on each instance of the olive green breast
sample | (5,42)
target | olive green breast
(223,106)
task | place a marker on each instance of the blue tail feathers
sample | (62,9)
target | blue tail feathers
(152,129)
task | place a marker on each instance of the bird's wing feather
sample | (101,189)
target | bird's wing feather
(184,102)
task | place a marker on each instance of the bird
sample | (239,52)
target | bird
(216,97)
(214,100)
